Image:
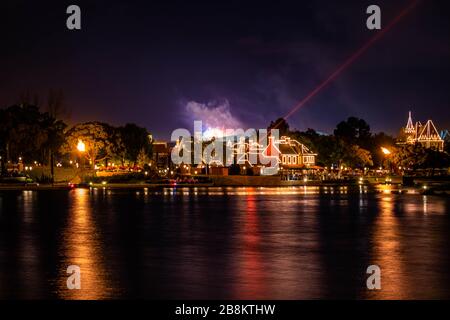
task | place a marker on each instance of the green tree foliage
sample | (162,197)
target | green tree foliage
(28,133)
(333,150)
(330,150)
(309,138)
(136,142)
(354,131)
(415,157)
(446,135)
(97,138)
(351,145)
(436,160)
(33,135)
(411,157)
(142,158)
(357,157)
(280,124)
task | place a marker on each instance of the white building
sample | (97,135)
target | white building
(425,134)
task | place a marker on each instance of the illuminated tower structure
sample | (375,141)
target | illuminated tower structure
(427,135)
(410,129)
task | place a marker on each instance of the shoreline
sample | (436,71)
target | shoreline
(160,185)
(396,189)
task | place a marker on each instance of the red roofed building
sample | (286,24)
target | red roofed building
(291,153)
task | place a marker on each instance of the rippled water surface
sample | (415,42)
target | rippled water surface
(230,243)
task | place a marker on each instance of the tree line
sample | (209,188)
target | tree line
(353,145)
(30,134)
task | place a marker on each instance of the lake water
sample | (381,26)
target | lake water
(224,243)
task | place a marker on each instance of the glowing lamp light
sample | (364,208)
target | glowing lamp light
(386,151)
(81,146)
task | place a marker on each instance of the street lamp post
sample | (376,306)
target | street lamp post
(81,147)
(387,154)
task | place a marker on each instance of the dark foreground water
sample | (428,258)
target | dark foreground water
(230,243)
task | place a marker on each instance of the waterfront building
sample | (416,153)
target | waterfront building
(292,153)
(161,154)
(425,134)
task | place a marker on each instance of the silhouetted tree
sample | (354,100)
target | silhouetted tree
(136,141)
(354,131)
(280,124)
(357,157)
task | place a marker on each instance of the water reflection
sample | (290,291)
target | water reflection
(82,246)
(408,244)
(224,243)
(28,253)
(388,252)
(251,273)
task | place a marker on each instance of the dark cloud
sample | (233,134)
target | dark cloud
(135,61)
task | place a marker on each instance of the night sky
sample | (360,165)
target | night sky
(162,64)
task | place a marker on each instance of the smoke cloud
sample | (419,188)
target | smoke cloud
(214,115)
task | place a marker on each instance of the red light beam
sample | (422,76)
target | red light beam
(351,59)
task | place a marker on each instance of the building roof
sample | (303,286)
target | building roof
(287,149)
(160,147)
(429,132)
(409,126)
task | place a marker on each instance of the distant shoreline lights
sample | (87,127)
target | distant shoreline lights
(225,147)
